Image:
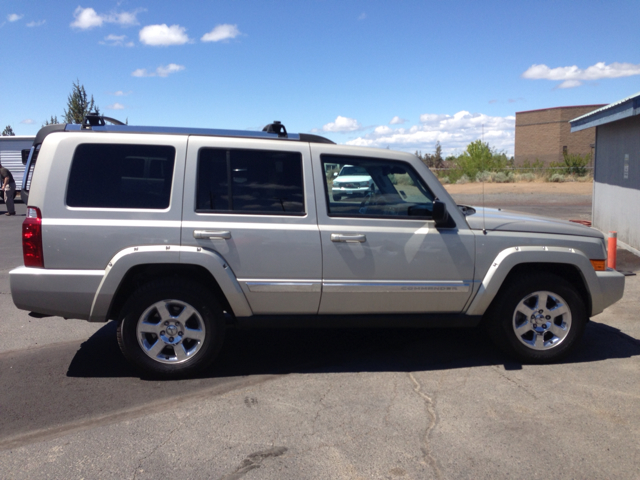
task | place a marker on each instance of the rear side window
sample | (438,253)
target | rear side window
(249,181)
(121,176)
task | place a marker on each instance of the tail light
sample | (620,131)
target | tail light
(32,238)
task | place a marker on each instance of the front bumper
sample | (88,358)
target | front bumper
(64,293)
(611,290)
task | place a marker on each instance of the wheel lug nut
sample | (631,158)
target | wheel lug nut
(539,311)
(171,339)
(180,333)
(548,317)
(166,323)
(162,332)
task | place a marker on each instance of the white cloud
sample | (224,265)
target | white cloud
(163,35)
(161,71)
(14,17)
(28,121)
(86,18)
(397,121)
(115,106)
(342,124)
(570,84)
(116,41)
(362,16)
(454,132)
(221,32)
(120,93)
(573,76)
(38,23)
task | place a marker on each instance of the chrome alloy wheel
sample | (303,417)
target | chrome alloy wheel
(542,320)
(170,331)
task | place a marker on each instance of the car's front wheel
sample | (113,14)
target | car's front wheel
(537,318)
(171,328)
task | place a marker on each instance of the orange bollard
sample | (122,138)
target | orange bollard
(612,250)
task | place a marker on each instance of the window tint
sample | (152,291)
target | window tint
(121,176)
(249,181)
(370,187)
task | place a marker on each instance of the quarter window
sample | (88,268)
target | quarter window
(249,181)
(371,187)
(121,176)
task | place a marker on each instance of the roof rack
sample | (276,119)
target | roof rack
(276,127)
(96,120)
(97,123)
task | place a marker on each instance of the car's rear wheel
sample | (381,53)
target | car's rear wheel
(171,328)
(537,318)
(337,197)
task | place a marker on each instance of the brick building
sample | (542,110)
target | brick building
(545,134)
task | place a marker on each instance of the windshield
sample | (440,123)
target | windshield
(350,171)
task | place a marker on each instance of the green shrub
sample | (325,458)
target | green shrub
(484,177)
(502,177)
(462,180)
(444,180)
(557,177)
(576,164)
(525,177)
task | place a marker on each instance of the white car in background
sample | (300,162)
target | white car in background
(352,181)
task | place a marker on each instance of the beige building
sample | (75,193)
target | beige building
(546,134)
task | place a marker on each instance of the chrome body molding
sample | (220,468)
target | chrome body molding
(293,286)
(395,287)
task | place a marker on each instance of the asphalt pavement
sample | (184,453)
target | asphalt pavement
(318,404)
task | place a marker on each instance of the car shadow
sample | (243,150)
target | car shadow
(284,351)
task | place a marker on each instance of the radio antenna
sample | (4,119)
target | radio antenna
(484,226)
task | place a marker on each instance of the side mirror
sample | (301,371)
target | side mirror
(335,174)
(440,215)
(25,155)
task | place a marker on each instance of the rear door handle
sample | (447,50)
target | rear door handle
(358,238)
(212,235)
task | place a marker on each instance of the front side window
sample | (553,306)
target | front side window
(121,176)
(371,187)
(249,181)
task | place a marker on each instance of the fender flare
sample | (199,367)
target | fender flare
(130,257)
(507,259)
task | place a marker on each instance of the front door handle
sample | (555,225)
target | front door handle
(358,238)
(212,235)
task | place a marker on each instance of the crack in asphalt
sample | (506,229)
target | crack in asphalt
(254,461)
(391,403)
(428,402)
(322,407)
(139,467)
(496,368)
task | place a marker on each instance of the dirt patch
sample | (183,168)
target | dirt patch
(523,188)
(568,201)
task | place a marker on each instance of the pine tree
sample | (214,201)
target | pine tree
(52,121)
(8,132)
(79,105)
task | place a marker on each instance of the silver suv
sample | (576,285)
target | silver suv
(178,234)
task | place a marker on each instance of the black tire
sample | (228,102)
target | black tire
(537,318)
(189,340)
(337,197)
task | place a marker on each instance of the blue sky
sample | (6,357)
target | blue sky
(402,74)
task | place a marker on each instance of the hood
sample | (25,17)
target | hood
(352,179)
(507,221)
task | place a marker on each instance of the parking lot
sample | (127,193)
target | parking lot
(319,404)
